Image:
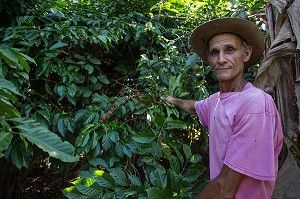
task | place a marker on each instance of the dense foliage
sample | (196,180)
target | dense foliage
(83,81)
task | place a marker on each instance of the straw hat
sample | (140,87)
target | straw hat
(244,28)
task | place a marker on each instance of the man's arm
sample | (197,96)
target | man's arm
(185,105)
(224,186)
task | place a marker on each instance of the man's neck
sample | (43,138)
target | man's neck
(234,86)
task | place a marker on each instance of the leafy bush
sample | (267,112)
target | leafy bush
(84,79)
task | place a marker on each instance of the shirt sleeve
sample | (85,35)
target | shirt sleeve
(251,147)
(201,108)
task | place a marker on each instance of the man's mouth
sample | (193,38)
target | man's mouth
(222,69)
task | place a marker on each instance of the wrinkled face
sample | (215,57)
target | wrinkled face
(227,55)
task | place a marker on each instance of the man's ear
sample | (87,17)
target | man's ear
(248,53)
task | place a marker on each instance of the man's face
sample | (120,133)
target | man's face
(227,56)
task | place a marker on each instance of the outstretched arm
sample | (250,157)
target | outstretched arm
(224,186)
(185,105)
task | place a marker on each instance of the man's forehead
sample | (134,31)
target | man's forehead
(225,38)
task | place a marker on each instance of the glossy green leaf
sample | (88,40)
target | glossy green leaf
(58,45)
(17,157)
(72,195)
(176,124)
(144,137)
(155,193)
(5,140)
(98,162)
(8,110)
(9,56)
(174,164)
(89,68)
(103,79)
(159,179)
(45,139)
(159,119)
(134,179)
(88,191)
(187,151)
(5,84)
(119,176)
(106,180)
(175,179)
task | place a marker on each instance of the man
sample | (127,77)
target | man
(245,133)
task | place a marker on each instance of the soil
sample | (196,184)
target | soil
(44,183)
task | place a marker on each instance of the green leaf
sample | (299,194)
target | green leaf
(155,193)
(119,175)
(159,179)
(58,45)
(89,68)
(181,159)
(106,142)
(176,124)
(102,39)
(5,84)
(8,56)
(105,180)
(45,139)
(127,151)
(88,190)
(184,94)
(17,157)
(94,61)
(8,109)
(174,164)
(62,129)
(22,58)
(71,195)
(114,136)
(187,151)
(159,120)
(77,56)
(192,59)
(193,172)
(196,158)
(103,79)
(134,180)
(98,162)
(5,140)
(144,137)
(199,185)
(60,90)
(176,180)
(72,88)
(7,95)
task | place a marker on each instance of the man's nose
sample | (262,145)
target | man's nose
(221,58)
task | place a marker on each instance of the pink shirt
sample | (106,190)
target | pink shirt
(245,134)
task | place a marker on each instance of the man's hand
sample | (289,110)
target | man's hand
(169,99)
(185,105)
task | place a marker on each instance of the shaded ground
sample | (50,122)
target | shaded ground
(44,183)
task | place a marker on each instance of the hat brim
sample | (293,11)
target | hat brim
(244,28)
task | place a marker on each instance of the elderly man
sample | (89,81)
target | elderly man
(245,133)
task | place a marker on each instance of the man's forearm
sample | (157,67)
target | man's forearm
(185,105)
(211,191)
(224,186)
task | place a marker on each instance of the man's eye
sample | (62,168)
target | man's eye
(230,50)
(213,53)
